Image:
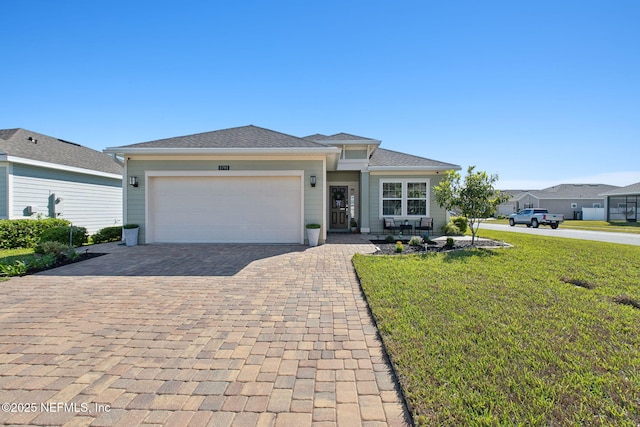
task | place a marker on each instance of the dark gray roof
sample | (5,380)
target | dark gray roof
(624,191)
(36,146)
(337,137)
(238,137)
(382,157)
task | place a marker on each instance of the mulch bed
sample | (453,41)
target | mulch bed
(386,248)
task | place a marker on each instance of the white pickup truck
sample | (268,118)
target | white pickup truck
(535,217)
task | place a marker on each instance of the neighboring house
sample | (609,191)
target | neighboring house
(512,205)
(623,204)
(254,185)
(42,176)
(566,199)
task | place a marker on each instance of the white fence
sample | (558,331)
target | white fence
(593,214)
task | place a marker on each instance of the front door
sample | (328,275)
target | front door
(338,199)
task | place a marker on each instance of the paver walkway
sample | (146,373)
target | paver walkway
(236,335)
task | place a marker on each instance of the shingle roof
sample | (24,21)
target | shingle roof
(572,191)
(337,137)
(623,191)
(36,146)
(239,137)
(382,157)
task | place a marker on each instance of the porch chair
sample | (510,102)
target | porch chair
(390,225)
(426,224)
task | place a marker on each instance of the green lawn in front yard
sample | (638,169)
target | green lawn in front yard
(616,227)
(513,336)
(9,256)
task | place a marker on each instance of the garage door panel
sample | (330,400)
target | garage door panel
(254,209)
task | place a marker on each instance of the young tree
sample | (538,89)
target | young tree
(476,198)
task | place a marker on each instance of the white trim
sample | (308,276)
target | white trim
(205,173)
(10,191)
(300,173)
(228,157)
(221,151)
(353,165)
(57,166)
(325,219)
(356,189)
(403,200)
(412,168)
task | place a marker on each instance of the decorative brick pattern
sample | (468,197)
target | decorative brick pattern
(266,335)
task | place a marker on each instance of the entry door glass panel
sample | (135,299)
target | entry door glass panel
(339,203)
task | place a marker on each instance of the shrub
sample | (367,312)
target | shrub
(451,229)
(25,233)
(15,269)
(61,234)
(461,223)
(107,234)
(42,262)
(415,241)
(52,248)
(450,243)
(399,246)
(389,239)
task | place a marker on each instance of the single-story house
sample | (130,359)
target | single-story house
(566,199)
(43,176)
(623,204)
(255,185)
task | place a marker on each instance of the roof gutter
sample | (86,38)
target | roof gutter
(219,151)
(413,168)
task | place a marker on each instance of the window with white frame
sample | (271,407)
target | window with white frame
(406,197)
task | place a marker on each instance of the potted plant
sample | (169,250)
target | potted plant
(354,225)
(131,234)
(313,234)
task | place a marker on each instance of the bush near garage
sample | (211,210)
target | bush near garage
(61,234)
(107,234)
(25,233)
(52,248)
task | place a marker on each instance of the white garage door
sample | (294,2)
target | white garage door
(223,209)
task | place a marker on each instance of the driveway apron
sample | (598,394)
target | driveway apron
(255,335)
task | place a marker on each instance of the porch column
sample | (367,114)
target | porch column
(364,202)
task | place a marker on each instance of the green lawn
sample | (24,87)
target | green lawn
(513,336)
(9,256)
(616,227)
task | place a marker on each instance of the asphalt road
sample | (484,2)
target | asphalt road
(600,236)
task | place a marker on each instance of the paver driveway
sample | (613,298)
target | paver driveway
(196,335)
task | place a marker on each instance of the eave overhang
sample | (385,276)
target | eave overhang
(56,166)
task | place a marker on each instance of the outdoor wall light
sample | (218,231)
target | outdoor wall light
(133,181)
(312,180)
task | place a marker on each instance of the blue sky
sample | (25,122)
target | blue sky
(539,92)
